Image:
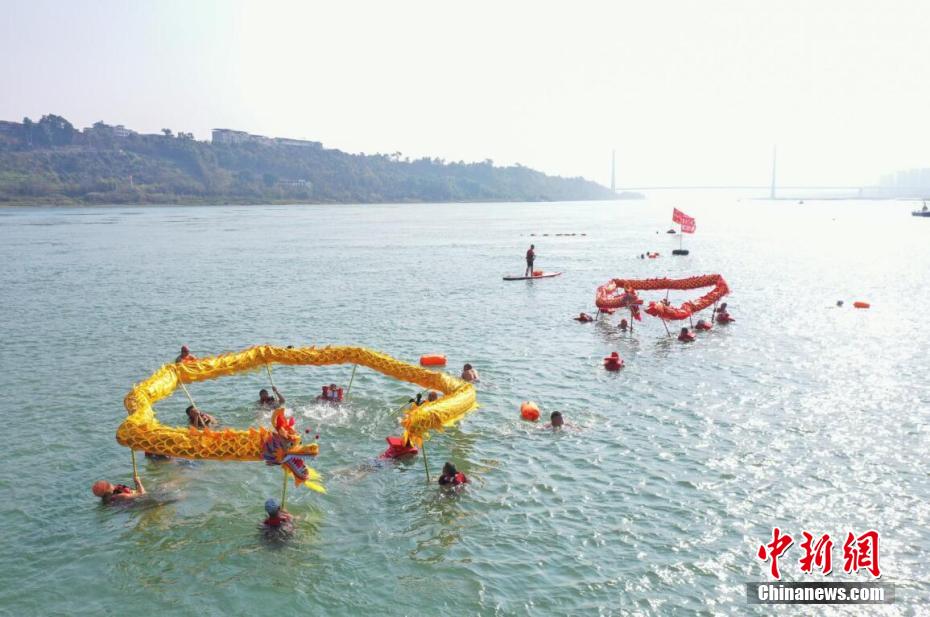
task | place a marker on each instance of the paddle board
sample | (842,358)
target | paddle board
(545,275)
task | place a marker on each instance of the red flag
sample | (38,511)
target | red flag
(686,222)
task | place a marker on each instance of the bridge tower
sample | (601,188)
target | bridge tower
(613,171)
(774,158)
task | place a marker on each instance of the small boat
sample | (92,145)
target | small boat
(922,212)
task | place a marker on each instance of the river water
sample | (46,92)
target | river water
(654,501)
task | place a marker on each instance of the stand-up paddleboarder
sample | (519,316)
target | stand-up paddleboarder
(530,256)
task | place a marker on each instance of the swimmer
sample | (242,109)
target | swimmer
(469,373)
(278,518)
(613,362)
(624,325)
(702,324)
(839,303)
(185,355)
(198,419)
(685,336)
(112,493)
(555,420)
(451,476)
(266,400)
(584,318)
(722,315)
(334,393)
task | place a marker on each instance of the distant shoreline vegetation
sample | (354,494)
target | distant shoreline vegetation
(49,162)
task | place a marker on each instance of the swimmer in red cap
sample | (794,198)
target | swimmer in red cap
(112,493)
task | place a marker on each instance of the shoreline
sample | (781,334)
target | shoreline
(85,204)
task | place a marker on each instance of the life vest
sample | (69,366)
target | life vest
(121,489)
(703,325)
(686,337)
(273,521)
(724,318)
(398,448)
(458,478)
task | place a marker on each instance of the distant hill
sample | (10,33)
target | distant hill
(50,162)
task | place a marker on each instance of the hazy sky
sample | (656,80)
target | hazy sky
(687,92)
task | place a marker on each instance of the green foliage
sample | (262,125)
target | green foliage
(55,164)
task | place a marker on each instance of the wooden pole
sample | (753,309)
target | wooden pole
(351,379)
(183,387)
(426,463)
(283,488)
(135,471)
(270,378)
(664,323)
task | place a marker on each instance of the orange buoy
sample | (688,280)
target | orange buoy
(433,360)
(861,304)
(529,411)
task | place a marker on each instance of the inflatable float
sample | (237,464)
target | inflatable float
(529,411)
(607,296)
(433,360)
(141,430)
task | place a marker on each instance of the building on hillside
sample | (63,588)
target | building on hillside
(10,128)
(298,143)
(100,129)
(229,136)
(232,137)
